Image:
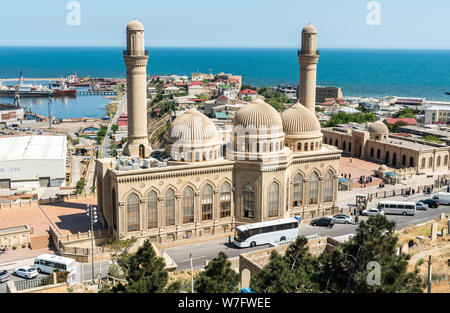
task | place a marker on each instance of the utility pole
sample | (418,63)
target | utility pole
(91,211)
(429,274)
(192,274)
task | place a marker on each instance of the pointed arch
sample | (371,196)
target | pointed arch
(152,206)
(298,190)
(188,205)
(314,188)
(274,199)
(170,207)
(207,202)
(248,197)
(329,186)
(132,213)
(225,200)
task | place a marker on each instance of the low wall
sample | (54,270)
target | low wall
(15,237)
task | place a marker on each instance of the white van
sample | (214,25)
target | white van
(442,198)
(397,207)
(48,263)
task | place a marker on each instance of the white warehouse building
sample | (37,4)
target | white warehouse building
(32,161)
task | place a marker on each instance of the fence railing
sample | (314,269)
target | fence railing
(34,283)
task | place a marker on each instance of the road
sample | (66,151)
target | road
(84,271)
(104,149)
(210,249)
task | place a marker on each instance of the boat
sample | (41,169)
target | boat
(25,91)
(448,93)
(63,91)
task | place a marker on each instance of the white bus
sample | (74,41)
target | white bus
(397,207)
(48,263)
(261,233)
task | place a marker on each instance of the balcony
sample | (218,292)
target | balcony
(303,52)
(127,53)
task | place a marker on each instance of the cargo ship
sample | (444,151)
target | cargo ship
(63,91)
(25,91)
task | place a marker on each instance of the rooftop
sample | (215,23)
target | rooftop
(33,148)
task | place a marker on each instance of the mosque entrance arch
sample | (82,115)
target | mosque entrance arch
(141,151)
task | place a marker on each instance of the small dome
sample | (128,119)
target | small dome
(135,26)
(310,29)
(378,128)
(383,168)
(193,127)
(298,120)
(258,114)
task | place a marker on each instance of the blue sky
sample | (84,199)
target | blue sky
(413,24)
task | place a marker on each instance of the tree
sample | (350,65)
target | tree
(115,128)
(347,269)
(294,272)
(407,113)
(344,118)
(218,277)
(247,98)
(145,272)
(80,186)
(393,128)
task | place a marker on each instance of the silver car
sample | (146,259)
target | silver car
(4,276)
(374,212)
(27,272)
(421,206)
(343,219)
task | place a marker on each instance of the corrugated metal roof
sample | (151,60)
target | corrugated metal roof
(33,148)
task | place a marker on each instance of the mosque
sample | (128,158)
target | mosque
(275,166)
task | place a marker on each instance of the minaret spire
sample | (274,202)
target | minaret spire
(136,58)
(308,57)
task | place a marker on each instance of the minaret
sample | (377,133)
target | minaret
(136,58)
(308,58)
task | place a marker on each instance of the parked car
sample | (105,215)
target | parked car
(27,272)
(442,198)
(343,219)
(432,203)
(4,276)
(372,212)
(324,221)
(421,206)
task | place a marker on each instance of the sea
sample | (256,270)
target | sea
(359,72)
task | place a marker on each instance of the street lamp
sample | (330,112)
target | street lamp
(91,211)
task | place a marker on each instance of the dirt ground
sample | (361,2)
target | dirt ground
(421,247)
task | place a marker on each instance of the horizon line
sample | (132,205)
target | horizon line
(217,47)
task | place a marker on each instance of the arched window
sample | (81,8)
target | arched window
(329,187)
(271,147)
(422,165)
(312,146)
(152,210)
(170,207)
(350,147)
(225,200)
(371,152)
(446,160)
(265,147)
(114,208)
(411,162)
(298,190)
(394,159)
(386,159)
(306,146)
(325,140)
(274,199)
(344,146)
(188,205)
(248,196)
(133,212)
(299,147)
(313,188)
(404,160)
(439,160)
(430,162)
(207,203)
(317,145)
(336,143)
(378,154)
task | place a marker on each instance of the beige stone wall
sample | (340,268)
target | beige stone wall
(260,175)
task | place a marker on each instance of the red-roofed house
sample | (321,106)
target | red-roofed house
(222,100)
(248,93)
(393,121)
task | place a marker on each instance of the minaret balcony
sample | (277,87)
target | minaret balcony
(127,53)
(303,52)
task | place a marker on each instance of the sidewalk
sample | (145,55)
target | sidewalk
(20,257)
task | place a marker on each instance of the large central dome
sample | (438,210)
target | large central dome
(258,114)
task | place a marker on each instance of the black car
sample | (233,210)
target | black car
(324,221)
(432,203)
